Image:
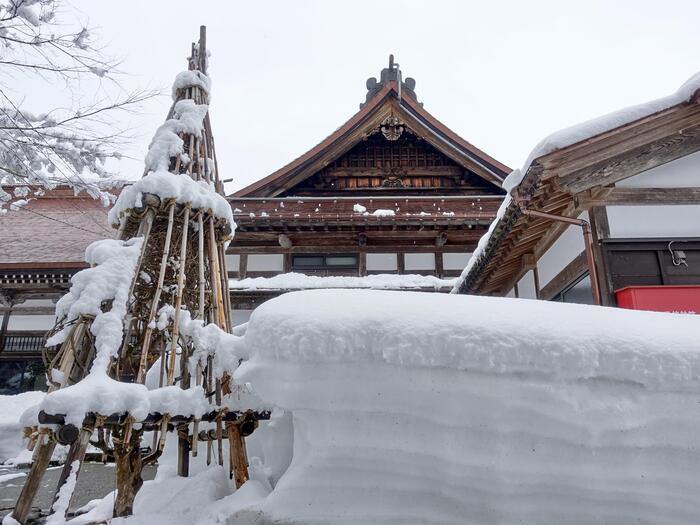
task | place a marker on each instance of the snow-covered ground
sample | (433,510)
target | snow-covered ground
(397,407)
(12,445)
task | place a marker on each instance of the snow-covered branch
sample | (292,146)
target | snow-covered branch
(70,145)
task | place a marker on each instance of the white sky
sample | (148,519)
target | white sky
(501,74)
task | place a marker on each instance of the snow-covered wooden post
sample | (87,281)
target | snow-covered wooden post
(150,314)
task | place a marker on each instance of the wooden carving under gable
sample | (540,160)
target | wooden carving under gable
(393,157)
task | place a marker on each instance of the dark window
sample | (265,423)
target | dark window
(580,292)
(324,262)
(21,375)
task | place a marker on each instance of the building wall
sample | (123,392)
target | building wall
(680,173)
(654,221)
(564,250)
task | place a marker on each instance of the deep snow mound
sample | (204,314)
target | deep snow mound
(419,407)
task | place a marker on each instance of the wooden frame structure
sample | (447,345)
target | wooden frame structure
(180,244)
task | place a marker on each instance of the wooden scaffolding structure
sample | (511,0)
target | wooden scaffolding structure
(183,252)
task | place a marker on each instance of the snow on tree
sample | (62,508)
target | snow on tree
(43,147)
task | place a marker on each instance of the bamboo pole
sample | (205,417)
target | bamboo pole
(140,377)
(178,298)
(202,281)
(40,461)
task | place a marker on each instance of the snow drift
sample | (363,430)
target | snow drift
(418,407)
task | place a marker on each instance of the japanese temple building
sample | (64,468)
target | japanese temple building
(392,191)
(392,199)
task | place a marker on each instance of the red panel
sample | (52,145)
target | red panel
(677,299)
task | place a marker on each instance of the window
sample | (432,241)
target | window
(233,262)
(419,261)
(324,262)
(382,262)
(580,292)
(265,262)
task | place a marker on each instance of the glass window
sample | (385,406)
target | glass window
(382,262)
(307,261)
(341,260)
(579,293)
(320,262)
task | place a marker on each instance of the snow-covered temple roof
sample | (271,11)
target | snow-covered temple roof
(584,157)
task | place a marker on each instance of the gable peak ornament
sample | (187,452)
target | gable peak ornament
(392,128)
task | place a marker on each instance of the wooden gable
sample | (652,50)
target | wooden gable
(391,146)
(404,165)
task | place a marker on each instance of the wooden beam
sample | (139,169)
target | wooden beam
(644,197)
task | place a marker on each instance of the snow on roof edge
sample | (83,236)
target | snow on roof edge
(571,135)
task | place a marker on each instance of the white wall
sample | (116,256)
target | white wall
(30,322)
(680,173)
(382,262)
(419,261)
(455,261)
(561,253)
(654,221)
(526,286)
(266,262)
(233,262)
(511,293)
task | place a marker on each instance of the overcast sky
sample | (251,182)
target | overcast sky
(501,74)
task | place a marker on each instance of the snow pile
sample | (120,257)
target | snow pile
(188,119)
(458,409)
(12,443)
(60,506)
(300,281)
(359,208)
(99,394)
(577,133)
(113,265)
(187,79)
(181,188)
(206,498)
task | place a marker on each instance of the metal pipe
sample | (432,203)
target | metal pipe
(587,241)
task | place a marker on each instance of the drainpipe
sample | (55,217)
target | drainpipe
(587,241)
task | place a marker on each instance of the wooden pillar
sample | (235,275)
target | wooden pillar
(600,229)
(362,264)
(243,266)
(287,262)
(239,457)
(3,327)
(400,262)
(40,461)
(439,265)
(183,450)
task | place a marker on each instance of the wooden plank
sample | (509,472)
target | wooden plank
(645,197)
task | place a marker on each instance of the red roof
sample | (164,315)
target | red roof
(52,231)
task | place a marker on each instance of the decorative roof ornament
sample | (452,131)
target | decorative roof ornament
(392,128)
(388,74)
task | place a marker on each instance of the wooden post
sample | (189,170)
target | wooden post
(239,458)
(76,452)
(40,461)
(439,265)
(3,327)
